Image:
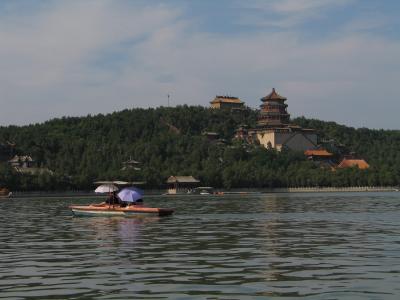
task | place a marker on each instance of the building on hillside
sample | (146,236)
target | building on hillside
(181,184)
(318,154)
(227,102)
(353,162)
(274,130)
(211,136)
(273,112)
(242,133)
(321,157)
(25,164)
(131,164)
(22,162)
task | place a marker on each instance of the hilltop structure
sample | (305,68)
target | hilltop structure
(227,102)
(274,129)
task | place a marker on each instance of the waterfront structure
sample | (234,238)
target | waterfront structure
(181,184)
(227,102)
(274,130)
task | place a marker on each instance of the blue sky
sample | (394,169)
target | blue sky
(335,60)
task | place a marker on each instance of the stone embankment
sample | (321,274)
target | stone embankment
(339,189)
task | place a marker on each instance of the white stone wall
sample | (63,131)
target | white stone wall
(265,137)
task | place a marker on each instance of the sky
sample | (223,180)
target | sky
(335,60)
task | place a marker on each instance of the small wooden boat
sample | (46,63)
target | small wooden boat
(117,210)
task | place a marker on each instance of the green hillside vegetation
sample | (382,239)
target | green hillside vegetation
(169,141)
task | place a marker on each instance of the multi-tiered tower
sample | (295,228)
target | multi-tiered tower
(273,111)
(274,129)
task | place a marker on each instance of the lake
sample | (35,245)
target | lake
(310,246)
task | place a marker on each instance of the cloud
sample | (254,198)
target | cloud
(286,14)
(86,57)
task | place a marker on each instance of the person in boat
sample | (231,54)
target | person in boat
(137,202)
(113,199)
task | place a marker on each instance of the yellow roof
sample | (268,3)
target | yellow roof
(226,99)
(348,163)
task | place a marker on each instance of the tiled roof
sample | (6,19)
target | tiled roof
(131,161)
(273,96)
(348,163)
(226,99)
(321,152)
(24,158)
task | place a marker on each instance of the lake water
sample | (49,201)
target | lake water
(311,246)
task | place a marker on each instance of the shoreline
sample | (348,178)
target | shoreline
(89,194)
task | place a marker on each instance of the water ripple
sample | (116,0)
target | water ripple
(312,246)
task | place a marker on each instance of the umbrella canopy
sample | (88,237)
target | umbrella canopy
(106,188)
(130,194)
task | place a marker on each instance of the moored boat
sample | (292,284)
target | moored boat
(117,210)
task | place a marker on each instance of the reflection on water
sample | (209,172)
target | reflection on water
(316,246)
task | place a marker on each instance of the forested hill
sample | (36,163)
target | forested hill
(169,141)
(381,148)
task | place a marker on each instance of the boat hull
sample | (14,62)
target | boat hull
(105,210)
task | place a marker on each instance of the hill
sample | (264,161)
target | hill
(169,141)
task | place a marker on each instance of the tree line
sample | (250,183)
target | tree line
(170,141)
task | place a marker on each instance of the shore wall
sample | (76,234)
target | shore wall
(91,194)
(336,189)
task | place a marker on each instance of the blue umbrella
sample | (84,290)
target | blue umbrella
(130,194)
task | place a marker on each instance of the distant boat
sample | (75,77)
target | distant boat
(202,190)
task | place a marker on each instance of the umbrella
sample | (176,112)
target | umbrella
(106,188)
(130,194)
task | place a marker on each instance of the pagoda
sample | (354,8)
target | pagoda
(273,111)
(274,130)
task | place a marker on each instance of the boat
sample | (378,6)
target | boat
(118,210)
(5,193)
(202,190)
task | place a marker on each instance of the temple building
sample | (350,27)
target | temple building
(274,129)
(321,158)
(131,164)
(273,112)
(353,162)
(227,102)
(21,162)
(25,164)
